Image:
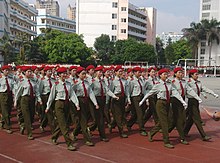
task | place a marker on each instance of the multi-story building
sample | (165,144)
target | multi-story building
(51,6)
(17,20)
(118,19)
(44,21)
(71,12)
(209,9)
(172,37)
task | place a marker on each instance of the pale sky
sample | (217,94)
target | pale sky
(172,15)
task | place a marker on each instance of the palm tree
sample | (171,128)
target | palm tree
(212,32)
(193,35)
(6,48)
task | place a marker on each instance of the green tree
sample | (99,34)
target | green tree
(7,49)
(104,48)
(160,51)
(212,32)
(131,50)
(65,48)
(193,35)
(169,54)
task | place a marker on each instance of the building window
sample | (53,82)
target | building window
(123,8)
(204,1)
(114,38)
(205,15)
(206,7)
(114,16)
(123,20)
(42,21)
(114,4)
(202,51)
(123,30)
(114,27)
(203,44)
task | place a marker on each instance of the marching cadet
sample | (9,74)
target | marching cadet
(120,88)
(89,77)
(28,91)
(108,81)
(73,118)
(151,81)
(179,114)
(193,104)
(100,91)
(62,93)
(90,73)
(45,87)
(130,74)
(164,90)
(136,92)
(86,96)
(6,88)
(143,76)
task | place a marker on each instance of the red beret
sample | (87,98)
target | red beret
(162,71)
(137,69)
(79,69)
(17,67)
(90,67)
(62,69)
(106,69)
(25,68)
(143,69)
(47,68)
(72,67)
(129,70)
(99,68)
(192,71)
(118,67)
(177,69)
(5,67)
(111,68)
(33,68)
(151,68)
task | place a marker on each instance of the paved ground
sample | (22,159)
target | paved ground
(16,147)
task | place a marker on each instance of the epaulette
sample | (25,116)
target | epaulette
(21,77)
(42,78)
(93,80)
(157,82)
(189,80)
(168,81)
(56,82)
(173,81)
(75,81)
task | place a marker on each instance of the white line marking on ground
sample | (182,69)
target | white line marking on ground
(82,153)
(10,158)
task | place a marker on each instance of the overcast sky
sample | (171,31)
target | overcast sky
(172,15)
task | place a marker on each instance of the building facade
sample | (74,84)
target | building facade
(118,19)
(169,37)
(209,9)
(51,6)
(17,21)
(71,12)
(45,21)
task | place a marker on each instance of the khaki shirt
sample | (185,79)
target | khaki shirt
(78,88)
(44,86)
(24,90)
(202,88)
(58,93)
(159,89)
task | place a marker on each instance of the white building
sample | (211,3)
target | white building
(44,21)
(52,7)
(171,36)
(209,9)
(17,19)
(118,19)
(71,12)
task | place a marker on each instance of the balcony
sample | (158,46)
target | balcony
(137,18)
(22,17)
(137,27)
(137,34)
(25,30)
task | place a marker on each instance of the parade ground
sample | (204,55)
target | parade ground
(17,148)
